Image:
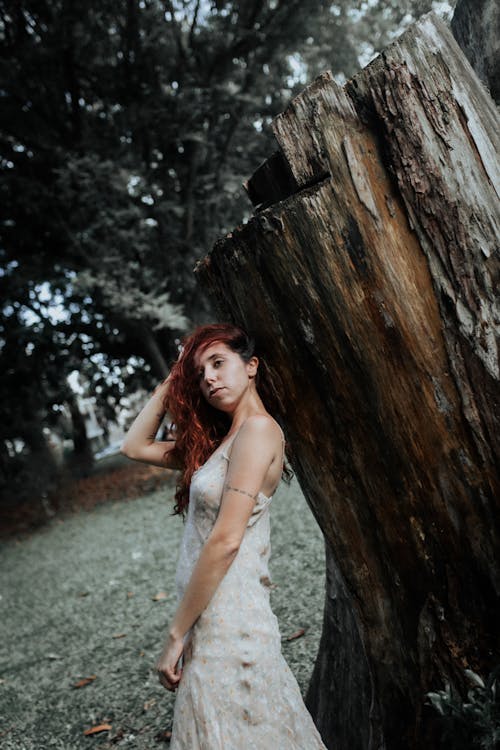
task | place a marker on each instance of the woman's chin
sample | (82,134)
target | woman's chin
(222,407)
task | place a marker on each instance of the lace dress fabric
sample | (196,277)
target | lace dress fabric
(236,691)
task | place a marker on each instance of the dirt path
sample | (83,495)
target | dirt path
(77,601)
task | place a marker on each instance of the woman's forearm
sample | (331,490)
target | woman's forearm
(143,429)
(213,563)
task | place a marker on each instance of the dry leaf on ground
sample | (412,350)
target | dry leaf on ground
(298,634)
(158,597)
(98,728)
(163,736)
(85,681)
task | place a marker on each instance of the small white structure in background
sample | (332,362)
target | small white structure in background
(101,444)
(131,405)
(95,433)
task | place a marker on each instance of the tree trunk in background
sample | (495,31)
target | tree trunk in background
(476,27)
(153,354)
(369,276)
(26,480)
(82,458)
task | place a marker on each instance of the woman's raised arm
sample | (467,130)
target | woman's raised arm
(139,442)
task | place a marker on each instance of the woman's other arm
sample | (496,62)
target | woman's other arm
(139,442)
(257,442)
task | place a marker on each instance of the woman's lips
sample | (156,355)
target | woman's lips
(216,391)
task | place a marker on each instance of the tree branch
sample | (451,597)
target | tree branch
(176,30)
(193,25)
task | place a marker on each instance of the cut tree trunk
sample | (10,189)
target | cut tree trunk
(369,277)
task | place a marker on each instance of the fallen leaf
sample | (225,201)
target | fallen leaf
(130,593)
(84,593)
(85,681)
(297,634)
(266,581)
(163,736)
(119,635)
(158,597)
(6,731)
(98,728)
(117,737)
(53,656)
(149,704)
(141,653)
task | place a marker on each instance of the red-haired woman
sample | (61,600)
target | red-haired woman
(223,649)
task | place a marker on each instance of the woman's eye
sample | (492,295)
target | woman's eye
(217,362)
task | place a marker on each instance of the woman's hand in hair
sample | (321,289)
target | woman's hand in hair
(164,385)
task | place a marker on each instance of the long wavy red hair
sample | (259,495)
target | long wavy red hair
(199,427)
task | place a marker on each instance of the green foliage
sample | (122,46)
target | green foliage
(475,721)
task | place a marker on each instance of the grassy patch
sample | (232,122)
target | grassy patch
(72,587)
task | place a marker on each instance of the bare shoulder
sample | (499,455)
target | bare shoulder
(261,426)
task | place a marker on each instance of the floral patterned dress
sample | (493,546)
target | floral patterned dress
(236,691)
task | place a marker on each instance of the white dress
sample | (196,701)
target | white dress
(236,691)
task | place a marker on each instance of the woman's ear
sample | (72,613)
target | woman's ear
(252,366)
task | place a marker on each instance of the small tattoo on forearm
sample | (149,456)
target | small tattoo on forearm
(243,492)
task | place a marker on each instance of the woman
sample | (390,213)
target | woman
(223,649)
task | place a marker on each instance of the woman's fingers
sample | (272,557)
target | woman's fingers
(168,665)
(173,677)
(168,678)
(166,682)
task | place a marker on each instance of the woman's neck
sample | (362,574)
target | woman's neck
(246,408)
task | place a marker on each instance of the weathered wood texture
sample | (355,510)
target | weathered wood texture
(372,290)
(476,27)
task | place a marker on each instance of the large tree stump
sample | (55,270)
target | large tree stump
(369,274)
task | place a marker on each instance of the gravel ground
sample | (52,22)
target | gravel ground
(77,602)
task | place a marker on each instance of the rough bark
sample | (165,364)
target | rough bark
(369,277)
(341,689)
(476,27)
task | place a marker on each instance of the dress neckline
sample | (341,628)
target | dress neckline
(218,451)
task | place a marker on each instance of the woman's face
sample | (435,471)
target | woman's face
(224,377)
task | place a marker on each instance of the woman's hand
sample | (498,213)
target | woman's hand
(163,386)
(169,672)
